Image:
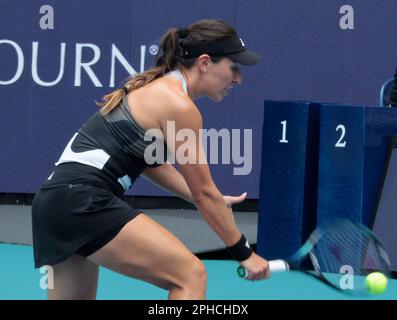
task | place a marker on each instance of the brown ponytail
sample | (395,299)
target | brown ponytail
(170,57)
(165,63)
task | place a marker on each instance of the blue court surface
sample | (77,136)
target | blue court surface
(20,281)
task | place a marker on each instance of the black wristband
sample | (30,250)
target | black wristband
(241,250)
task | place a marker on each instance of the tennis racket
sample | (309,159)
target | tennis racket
(340,255)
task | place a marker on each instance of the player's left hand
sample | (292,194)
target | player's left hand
(230,200)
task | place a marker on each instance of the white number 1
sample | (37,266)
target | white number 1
(284,134)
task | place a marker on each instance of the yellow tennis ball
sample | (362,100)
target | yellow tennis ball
(376,282)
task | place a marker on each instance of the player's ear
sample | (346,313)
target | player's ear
(203,62)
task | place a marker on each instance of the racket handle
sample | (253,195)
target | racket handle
(274,266)
(278,266)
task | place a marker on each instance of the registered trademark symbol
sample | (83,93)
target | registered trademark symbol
(153,49)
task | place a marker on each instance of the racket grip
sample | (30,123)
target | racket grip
(274,266)
(278,266)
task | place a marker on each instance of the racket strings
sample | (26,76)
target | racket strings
(335,242)
(331,258)
(345,248)
(343,254)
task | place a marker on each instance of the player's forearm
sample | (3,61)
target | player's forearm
(167,177)
(215,212)
(210,204)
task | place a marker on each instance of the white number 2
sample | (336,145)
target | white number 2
(341,143)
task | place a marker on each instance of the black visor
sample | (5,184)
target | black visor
(231,47)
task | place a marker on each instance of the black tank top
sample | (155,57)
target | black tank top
(109,150)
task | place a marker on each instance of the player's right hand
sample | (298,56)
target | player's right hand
(256,266)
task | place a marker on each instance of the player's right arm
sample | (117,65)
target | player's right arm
(195,170)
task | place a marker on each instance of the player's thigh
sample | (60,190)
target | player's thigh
(145,250)
(75,278)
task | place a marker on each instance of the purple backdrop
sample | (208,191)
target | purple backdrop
(307,56)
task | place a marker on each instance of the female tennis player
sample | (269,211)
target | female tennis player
(79,219)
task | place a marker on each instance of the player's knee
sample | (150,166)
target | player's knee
(193,277)
(197,278)
(199,270)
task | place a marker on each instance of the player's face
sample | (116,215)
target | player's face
(221,77)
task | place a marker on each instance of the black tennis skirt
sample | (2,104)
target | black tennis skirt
(72,219)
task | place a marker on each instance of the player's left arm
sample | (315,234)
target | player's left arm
(168,177)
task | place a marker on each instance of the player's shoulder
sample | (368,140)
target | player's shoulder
(171,89)
(174,99)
